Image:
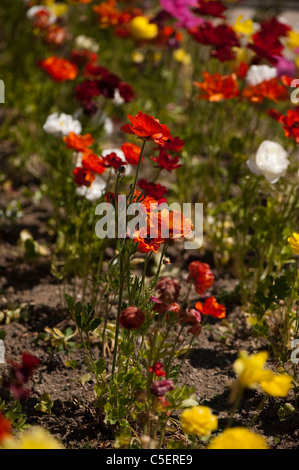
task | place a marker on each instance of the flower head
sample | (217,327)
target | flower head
(131,152)
(201,275)
(218,87)
(59,69)
(238,438)
(271,161)
(131,318)
(161,387)
(61,124)
(168,289)
(5,427)
(198,420)
(147,127)
(78,142)
(157,369)
(294,243)
(141,29)
(211,307)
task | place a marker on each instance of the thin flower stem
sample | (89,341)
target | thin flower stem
(137,173)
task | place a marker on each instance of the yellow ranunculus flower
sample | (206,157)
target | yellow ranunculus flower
(277,385)
(250,369)
(142,29)
(293,41)
(137,57)
(198,420)
(180,55)
(238,438)
(34,438)
(59,9)
(243,27)
(294,242)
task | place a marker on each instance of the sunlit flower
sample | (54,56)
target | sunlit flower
(294,243)
(62,124)
(271,161)
(5,428)
(131,152)
(250,369)
(216,87)
(33,438)
(238,438)
(131,318)
(147,127)
(211,307)
(293,39)
(242,26)
(93,191)
(199,420)
(92,162)
(141,29)
(276,385)
(78,142)
(59,69)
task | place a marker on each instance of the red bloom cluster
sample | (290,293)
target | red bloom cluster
(217,87)
(20,375)
(268,89)
(290,124)
(266,42)
(191,315)
(166,161)
(157,369)
(201,275)
(214,8)
(221,36)
(154,190)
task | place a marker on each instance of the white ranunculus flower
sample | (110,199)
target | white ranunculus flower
(62,124)
(260,73)
(271,160)
(95,191)
(36,9)
(87,43)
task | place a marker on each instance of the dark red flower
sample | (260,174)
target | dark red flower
(108,84)
(131,318)
(87,90)
(214,8)
(83,177)
(20,375)
(168,289)
(95,71)
(112,160)
(167,162)
(126,92)
(222,36)
(82,57)
(152,189)
(174,144)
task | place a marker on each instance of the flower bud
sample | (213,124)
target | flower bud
(131,318)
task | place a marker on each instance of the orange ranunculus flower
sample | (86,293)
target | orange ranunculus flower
(107,13)
(5,427)
(131,152)
(78,142)
(91,162)
(149,203)
(148,128)
(83,177)
(169,224)
(270,89)
(217,87)
(59,69)
(201,275)
(145,245)
(211,307)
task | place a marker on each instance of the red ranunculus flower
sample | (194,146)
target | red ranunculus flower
(112,160)
(174,144)
(147,127)
(152,189)
(216,87)
(5,427)
(126,92)
(214,8)
(201,275)
(20,375)
(269,89)
(87,90)
(212,308)
(165,161)
(157,369)
(59,69)
(290,124)
(83,177)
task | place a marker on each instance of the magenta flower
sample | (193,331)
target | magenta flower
(180,10)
